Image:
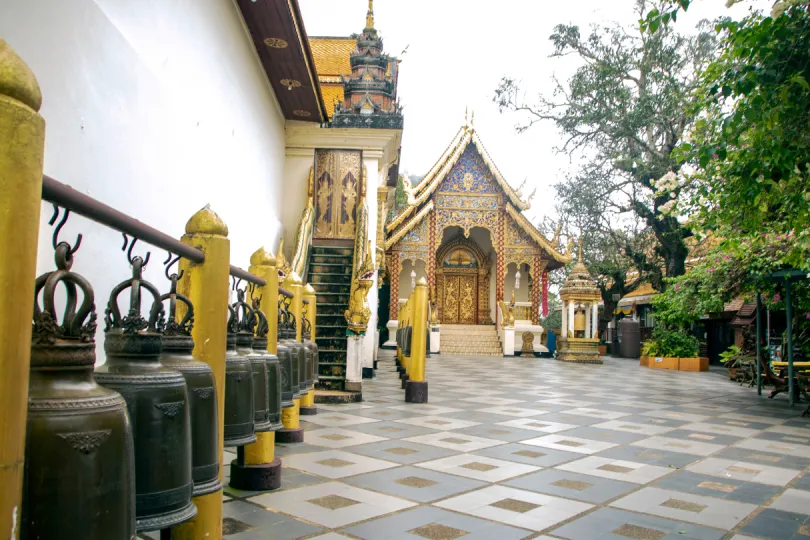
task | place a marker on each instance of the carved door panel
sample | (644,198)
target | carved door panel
(460,299)
(468,294)
(337,182)
(450,312)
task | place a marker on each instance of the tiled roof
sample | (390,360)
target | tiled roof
(332,93)
(332,55)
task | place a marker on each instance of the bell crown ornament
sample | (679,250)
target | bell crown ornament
(177,332)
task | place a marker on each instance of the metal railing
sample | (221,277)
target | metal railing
(65,196)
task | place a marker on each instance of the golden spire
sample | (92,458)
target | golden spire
(370,14)
(579,255)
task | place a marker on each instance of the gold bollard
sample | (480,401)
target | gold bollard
(206,285)
(416,389)
(308,407)
(261,456)
(406,356)
(22,132)
(290,417)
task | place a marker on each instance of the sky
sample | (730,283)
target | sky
(458,51)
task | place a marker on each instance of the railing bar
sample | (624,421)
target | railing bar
(79,203)
(247,276)
(285,292)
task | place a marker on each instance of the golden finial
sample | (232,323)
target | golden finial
(370,14)
(472,118)
(465,116)
(579,254)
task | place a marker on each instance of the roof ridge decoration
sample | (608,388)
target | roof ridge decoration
(532,231)
(408,226)
(425,188)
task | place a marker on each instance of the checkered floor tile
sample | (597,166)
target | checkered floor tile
(534,448)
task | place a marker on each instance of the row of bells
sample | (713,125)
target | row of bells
(125,448)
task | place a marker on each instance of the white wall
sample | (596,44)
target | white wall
(156,108)
(296,185)
(405,288)
(522,294)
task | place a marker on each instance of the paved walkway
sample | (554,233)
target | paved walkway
(521,448)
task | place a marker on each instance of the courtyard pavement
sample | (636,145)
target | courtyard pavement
(535,448)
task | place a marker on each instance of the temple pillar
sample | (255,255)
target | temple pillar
(587,322)
(393,276)
(595,324)
(539,284)
(430,266)
(571,318)
(500,263)
(564,320)
(545,293)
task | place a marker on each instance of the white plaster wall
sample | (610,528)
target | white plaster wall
(522,294)
(297,164)
(405,288)
(156,108)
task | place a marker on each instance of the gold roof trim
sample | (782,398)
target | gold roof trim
(530,229)
(408,226)
(431,181)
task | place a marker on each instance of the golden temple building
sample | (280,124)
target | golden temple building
(463,229)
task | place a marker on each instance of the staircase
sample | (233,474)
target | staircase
(330,274)
(470,340)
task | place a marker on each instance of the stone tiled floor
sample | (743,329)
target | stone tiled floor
(518,448)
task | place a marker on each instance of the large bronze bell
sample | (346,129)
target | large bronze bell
(314,367)
(238,391)
(244,347)
(157,401)
(287,338)
(79,469)
(285,368)
(273,368)
(202,393)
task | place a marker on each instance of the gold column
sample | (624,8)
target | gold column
(206,285)
(291,416)
(419,342)
(308,400)
(22,132)
(263,264)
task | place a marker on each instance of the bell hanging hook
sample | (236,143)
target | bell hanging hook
(169,262)
(130,258)
(55,239)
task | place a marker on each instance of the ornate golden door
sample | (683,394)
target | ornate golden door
(460,299)
(337,182)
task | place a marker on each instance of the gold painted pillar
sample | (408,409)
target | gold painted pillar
(291,416)
(263,264)
(206,285)
(416,387)
(22,147)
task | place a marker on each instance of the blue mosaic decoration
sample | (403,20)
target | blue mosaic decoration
(417,235)
(465,202)
(470,175)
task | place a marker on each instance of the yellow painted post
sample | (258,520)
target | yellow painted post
(416,390)
(291,416)
(22,147)
(406,358)
(263,264)
(308,407)
(206,285)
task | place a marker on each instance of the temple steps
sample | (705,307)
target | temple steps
(329,274)
(470,340)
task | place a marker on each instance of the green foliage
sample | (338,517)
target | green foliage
(673,343)
(752,143)
(554,319)
(623,112)
(730,355)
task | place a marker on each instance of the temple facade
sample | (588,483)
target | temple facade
(464,230)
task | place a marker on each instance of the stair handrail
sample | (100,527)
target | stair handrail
(363,270)
(303,238)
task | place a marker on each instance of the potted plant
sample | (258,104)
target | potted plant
(672,349)
(730,359)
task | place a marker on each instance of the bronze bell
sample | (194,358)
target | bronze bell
(273,368)
(246,322)
(238,391)
(287,335)
(79,469)
(314,367)
(202,393)
(157,402)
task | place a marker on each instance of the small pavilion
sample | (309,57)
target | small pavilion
(580,323)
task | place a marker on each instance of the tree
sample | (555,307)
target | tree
(752,142)
(623,112)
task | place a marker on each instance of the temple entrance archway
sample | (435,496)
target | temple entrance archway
(462,280)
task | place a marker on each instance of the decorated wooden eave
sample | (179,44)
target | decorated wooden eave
(554,254)
(277,31)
